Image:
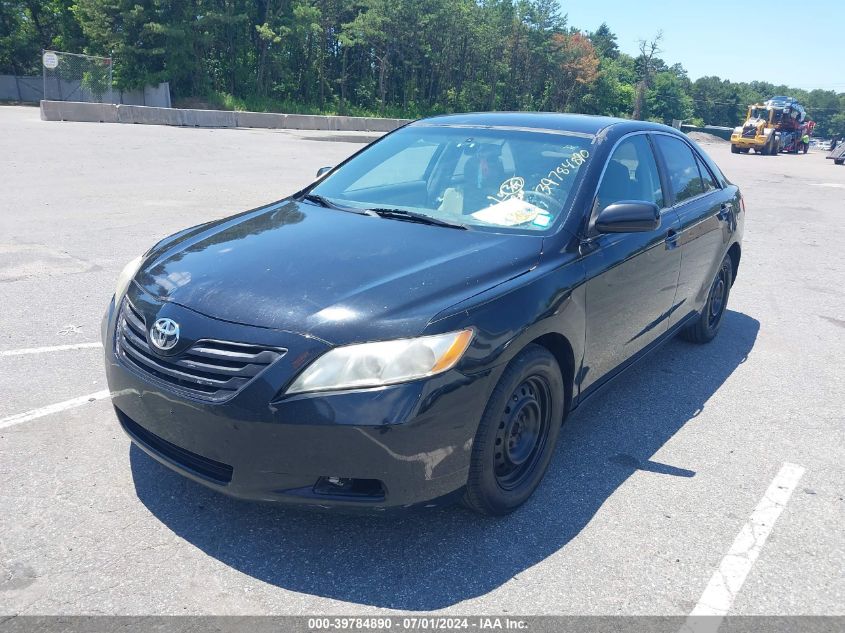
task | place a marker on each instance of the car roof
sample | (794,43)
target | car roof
(578,123)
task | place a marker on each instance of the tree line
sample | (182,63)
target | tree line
(391,57)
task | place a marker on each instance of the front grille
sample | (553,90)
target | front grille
(208,369)
(216,471)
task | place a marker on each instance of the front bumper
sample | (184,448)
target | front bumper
(748,141)
(412,440)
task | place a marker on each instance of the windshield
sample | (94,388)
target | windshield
(760,113)
(478,177)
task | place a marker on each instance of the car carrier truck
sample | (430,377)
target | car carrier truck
(773,126)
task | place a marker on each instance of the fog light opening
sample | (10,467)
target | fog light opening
(335,486)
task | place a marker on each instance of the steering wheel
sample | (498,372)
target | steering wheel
(542,200)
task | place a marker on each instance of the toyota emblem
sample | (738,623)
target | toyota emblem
(164,334)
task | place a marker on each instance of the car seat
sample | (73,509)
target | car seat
(617,185)
(483,174)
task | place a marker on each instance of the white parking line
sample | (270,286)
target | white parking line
(733,570)
(20,418)
(54,348)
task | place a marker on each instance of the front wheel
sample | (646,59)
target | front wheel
(517,434)
(706,326)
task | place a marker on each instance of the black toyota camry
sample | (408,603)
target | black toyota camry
(415,326)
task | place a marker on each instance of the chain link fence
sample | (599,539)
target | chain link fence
(75,77)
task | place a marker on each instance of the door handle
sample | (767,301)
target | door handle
(671,239)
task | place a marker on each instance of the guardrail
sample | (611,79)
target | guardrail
(146,115)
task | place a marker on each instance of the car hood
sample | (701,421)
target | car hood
(339,276)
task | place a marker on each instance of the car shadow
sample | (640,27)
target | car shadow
(433,559)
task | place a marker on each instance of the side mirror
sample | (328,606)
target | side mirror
(628,216)
(324,170)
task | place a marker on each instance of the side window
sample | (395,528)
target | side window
(706,176)
(631,174)
(409,165)
(684,176)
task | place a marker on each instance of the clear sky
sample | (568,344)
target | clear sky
(736,40)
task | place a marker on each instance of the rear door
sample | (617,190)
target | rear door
(706,212)
(632,277)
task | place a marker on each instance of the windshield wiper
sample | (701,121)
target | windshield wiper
(411,216)
(329,204)
(396,214)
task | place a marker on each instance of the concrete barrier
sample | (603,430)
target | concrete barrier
(147,115)
(269,120)
(208,118)
(143,114)
(77,111)
(721,132)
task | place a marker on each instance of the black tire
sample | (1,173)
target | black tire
(839,161)
(706,326)
(734,149)
(745,150)
(516,438)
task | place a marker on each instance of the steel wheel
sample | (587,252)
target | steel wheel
(522,432)
(706,326)
(718,298)
(517,433)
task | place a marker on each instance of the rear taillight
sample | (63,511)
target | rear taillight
(742,203)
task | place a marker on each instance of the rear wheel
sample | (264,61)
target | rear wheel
(734,149)
(517,434)
(706,326)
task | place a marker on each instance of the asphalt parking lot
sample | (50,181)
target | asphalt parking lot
(653,485)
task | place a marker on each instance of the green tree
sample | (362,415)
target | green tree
(26,28)
(604,41)
(397,57)
(717,101)
(668,99)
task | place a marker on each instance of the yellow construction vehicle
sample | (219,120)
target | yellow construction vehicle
(758,132)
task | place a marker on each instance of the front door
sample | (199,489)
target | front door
(632,277)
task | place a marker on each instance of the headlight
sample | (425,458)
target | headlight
(125,278)
(383,363)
